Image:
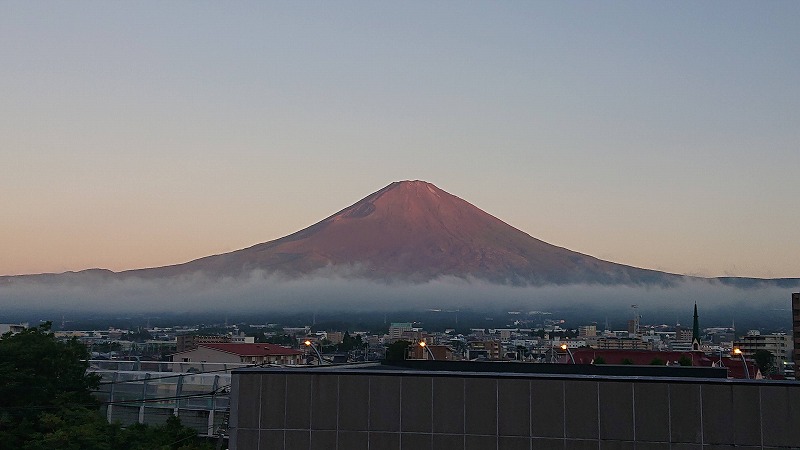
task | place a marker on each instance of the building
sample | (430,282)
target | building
(12,328)
(796,332)
(191,341)
(779,344)
(614,343)
(397,329)
(734,366)
(484,350)
(695,331)
(242,339)
(440,352)
(681,346)
(683,334)
(240,353)
(587,330)
(334,337)
(459,406)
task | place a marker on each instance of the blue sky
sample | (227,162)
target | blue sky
(658,134)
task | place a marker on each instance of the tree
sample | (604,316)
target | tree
(627,362)
(685,361)
(396,351)
(46,401)
(599,360)
(281,339)
(765,361)
(347,343)
(657,362)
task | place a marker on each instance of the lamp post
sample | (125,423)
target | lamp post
(425,346)
(738,351)
(565,347)
(319,356)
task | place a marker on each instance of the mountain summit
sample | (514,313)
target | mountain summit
(414,231)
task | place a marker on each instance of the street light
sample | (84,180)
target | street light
(319,356)
(738,351)
(565,347)
(425,346)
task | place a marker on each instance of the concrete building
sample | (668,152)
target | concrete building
(191,341)
(779,344)
(623,344)
(397,329)
(334,337)
(484,350)
(242,339)
(440,352)
(587,330)
(491,409)
(796,332)
(13,328)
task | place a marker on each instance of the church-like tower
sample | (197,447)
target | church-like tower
(695,331)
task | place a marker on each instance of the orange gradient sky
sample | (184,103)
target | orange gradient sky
(657,135)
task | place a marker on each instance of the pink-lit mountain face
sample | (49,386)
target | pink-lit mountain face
(414,231)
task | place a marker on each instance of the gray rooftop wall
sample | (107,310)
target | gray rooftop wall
(413,409)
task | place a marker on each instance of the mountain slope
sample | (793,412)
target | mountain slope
(414,231)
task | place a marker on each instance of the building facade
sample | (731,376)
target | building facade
(796,332)
(240,353)
(397,329)
(414,409)
(779,344)
(623,344)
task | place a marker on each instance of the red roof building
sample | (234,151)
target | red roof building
(240,353)
(646,357)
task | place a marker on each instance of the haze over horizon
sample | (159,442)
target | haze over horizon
(661,136)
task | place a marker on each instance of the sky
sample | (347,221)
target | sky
(662,135)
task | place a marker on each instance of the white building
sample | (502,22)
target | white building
(779,344)
(14,328)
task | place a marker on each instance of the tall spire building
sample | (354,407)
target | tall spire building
(695,331)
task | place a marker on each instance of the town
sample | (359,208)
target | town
(532,337)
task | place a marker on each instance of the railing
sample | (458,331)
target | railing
(162,366)
(200,399)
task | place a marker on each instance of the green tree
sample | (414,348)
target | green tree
(46,401)
(657,362)
(765,361)
(347,343)
(685,361)
(599,360)
(627,362)
(396,351)
(281,339)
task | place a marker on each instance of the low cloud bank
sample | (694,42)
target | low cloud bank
(262,293)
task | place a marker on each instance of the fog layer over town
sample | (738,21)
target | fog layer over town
(326,291)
